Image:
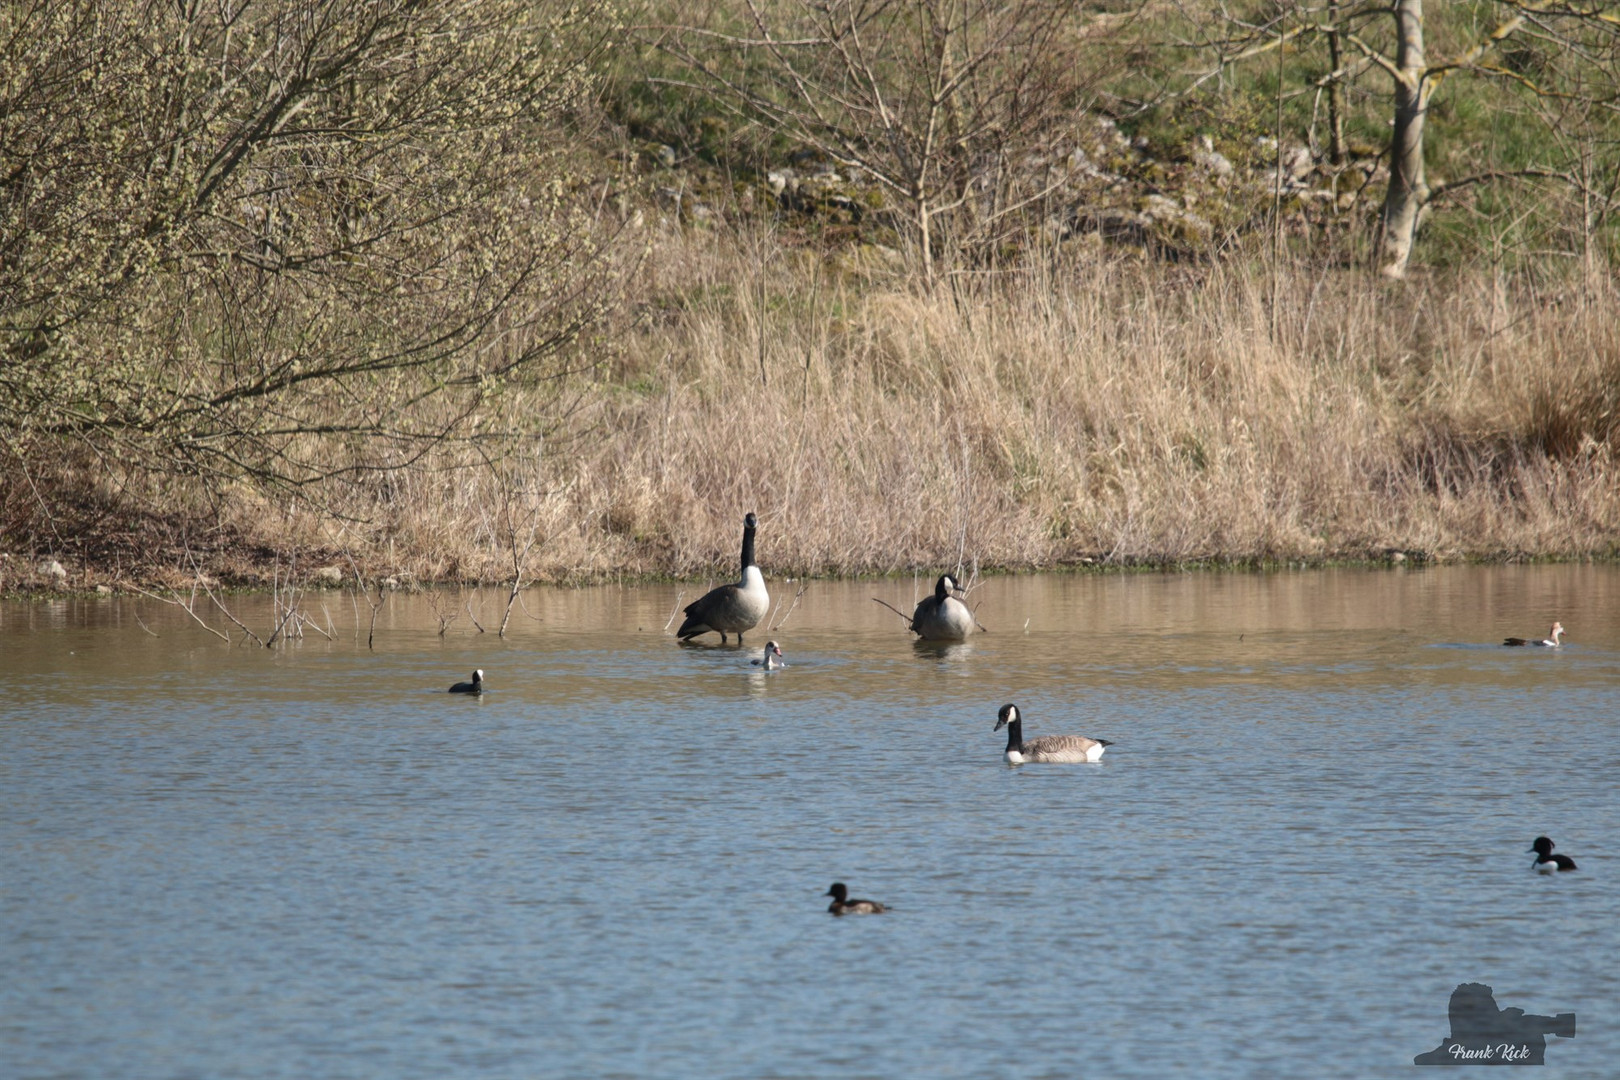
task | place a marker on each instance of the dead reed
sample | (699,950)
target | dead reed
(1102,408)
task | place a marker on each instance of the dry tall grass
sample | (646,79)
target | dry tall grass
(1107,409)
(1102,408)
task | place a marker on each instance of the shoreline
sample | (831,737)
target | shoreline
(44,586)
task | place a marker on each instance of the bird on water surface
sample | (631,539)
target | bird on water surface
(942,617)
(841,905)
(1551,640)
(1546,862)
(772,658)
(1054,748)
(730,609)
(474,687)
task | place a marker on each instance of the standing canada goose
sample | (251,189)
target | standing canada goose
(769,661)
(731,609)
(1550,640)
(942,617)
(474,687)
(1546,862)
(843,906)
(1064,748)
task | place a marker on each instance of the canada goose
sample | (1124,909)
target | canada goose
(769,661)
(942,617)
(843,906)
(1550,640)
(730,609)
(474,687)
(1546,862)
(1048,747)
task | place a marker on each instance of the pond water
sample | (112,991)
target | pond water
(311,861)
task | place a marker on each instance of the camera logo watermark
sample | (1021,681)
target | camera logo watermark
(1482,1034)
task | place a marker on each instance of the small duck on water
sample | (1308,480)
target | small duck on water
(772,658)
(1546,862)
(1551,640)
(841,905)
(474,687)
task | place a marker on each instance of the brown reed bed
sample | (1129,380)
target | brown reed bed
(1093,409)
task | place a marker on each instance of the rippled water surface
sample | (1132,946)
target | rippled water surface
(222,861)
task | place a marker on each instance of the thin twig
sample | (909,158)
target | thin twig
(305,620)
(143,626)
(894,609)
(677,611)
(187,608)
(796,598)
(376,605)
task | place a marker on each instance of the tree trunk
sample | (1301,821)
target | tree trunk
(1336,151)
(1408,190)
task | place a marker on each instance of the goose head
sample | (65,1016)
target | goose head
(1007,715)
(945,586)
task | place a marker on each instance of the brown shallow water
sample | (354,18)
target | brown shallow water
(311,861)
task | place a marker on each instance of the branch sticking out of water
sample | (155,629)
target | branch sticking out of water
(796,598)
(894,609)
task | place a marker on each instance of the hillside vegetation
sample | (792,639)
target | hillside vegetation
(491,292)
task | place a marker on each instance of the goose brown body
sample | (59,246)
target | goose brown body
(1047,748)
(730,609)
(942,617)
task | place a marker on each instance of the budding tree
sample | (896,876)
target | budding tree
(280,239)
(933,99)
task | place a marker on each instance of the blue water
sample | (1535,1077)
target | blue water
(222,861)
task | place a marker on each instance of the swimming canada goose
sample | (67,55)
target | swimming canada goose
(1551,639)
(1063,748)
(842,906)
(474,687)
(942,617)
(769,661)
(1546,862)
(730,609)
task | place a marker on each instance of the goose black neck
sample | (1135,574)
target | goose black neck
(940,591)
(747,548)
(1015,734)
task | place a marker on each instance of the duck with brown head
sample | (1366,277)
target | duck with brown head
(1551,640)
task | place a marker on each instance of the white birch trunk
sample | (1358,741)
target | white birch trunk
(1408,189)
